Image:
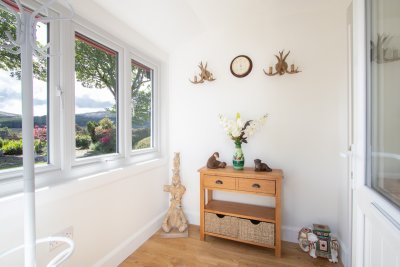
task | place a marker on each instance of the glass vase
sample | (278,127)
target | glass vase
(238,157)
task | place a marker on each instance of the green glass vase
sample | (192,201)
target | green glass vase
(238,157)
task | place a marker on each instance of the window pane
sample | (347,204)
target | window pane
(384,95)
(96,94)
(142,95)
(11,102)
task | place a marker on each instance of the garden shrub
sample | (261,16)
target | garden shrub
(139,134)
(83,141)
(105,136)
(144,143)
(13,147)
(7,133)
(1,142)
(40,146)
(91,126)
(40,132)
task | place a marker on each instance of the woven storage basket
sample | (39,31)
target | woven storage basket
(255,231)
(220,224)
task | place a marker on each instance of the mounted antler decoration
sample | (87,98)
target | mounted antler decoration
(204,75)
(381,53)
(282,67)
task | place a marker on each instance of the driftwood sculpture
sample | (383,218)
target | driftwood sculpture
(282,67)
(175,217)
(204,75)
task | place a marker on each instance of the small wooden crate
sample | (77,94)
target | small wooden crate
(256,231)
(221,224)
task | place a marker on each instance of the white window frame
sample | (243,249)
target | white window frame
(155,108)
(64,166)
(53,102)
(120,105)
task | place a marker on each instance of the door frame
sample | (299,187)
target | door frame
(365,201)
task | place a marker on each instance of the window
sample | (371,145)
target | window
(142,110)
(83,121)
(96,93)
(383,63)
(11,102)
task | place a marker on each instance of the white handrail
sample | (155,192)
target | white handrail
(58,259)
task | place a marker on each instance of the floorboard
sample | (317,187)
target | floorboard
(216,252)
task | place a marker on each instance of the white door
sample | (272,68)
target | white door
(376,158)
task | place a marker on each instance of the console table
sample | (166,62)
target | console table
(257,225)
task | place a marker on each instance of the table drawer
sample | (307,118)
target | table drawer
(257,186)
(220,182)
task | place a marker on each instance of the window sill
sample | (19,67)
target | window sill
(64,187)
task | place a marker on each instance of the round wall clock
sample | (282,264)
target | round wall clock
(241,66)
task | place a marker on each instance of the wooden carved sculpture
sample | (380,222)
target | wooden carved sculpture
(175,217)
(204,75)
(282,67)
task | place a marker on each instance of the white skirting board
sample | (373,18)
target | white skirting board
(120,253)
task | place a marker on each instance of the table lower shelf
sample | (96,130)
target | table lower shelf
(247,211)
(239,240)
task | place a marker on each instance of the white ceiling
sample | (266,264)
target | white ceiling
(167,23)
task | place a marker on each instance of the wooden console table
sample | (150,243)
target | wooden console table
(241,181)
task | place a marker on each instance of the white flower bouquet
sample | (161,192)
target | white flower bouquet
(238,130)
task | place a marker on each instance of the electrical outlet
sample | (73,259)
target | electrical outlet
(67,232)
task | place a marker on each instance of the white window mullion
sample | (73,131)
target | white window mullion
(157,109)
(67,129)
(127,96)
(55,111)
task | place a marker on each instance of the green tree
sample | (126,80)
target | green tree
(91,126)
(11,62)
(95,68)
(141,95)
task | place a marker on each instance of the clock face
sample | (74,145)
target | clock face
(241,66)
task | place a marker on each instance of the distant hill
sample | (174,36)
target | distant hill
(84,118)
(11,120)
(8,115)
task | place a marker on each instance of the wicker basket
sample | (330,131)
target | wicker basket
(221,224)
(256,231)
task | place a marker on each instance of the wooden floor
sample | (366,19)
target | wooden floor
(216,252)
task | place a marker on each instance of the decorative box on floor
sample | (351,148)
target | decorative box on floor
(323,234)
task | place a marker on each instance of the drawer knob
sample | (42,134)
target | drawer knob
(256,186)
(219,182)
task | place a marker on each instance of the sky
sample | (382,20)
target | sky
(86,99)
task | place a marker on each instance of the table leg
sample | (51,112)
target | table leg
(201,209)
(278,245)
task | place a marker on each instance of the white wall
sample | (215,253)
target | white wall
(304,134)
(111,214)
(307,125)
